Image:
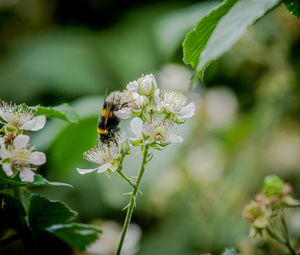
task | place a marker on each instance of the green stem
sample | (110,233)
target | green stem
(285,242)
(132,199)
(119,171)
(288,243)
(126,178)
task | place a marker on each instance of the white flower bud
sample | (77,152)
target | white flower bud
(147,85)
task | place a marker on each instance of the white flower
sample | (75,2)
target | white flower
(20,157)
(105,155)
(158,129)
(21,118)
(135,103)
(147,85)
(175,103)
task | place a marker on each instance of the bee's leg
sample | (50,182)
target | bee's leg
(115,141)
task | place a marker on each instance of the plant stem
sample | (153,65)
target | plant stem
(286,242)
(287,237)
(133,198)
(125,177)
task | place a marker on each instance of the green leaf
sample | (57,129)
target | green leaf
(293,6)
(231,251)
(12,183)
(76,234)
(219,30)
(63,112)
(44,212)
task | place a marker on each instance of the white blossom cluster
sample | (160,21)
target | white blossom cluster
(154,113)
(16,156)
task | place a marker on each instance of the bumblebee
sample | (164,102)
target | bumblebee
(108,124)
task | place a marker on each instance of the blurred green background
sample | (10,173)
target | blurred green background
(247,123)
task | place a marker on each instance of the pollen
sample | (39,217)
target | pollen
(21,157)
(105,112)
(102,131)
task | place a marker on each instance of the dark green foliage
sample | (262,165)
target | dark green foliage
(76,234)
(63,111)
(44,212)
(12,183)
(220,29)
(293,6)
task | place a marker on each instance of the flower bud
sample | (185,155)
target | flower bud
(261,222)
(150,110)
(272,185)
(147,85)
(252,211)
(125,148)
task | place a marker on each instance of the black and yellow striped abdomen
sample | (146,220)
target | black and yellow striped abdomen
(108,123)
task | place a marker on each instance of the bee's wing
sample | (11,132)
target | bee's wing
(108,110)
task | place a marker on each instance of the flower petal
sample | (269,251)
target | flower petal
(21,141)
(188,111)
(174,138)
(123,137)
(26,174)
(37,158)
(138,100)
(123,113)
(86,171)
(157,98)
(2,140)
(35,124)
(7,169)
(3,152)
(136,126)
(148,129)
(103,168)
(132,86)
(149,82)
